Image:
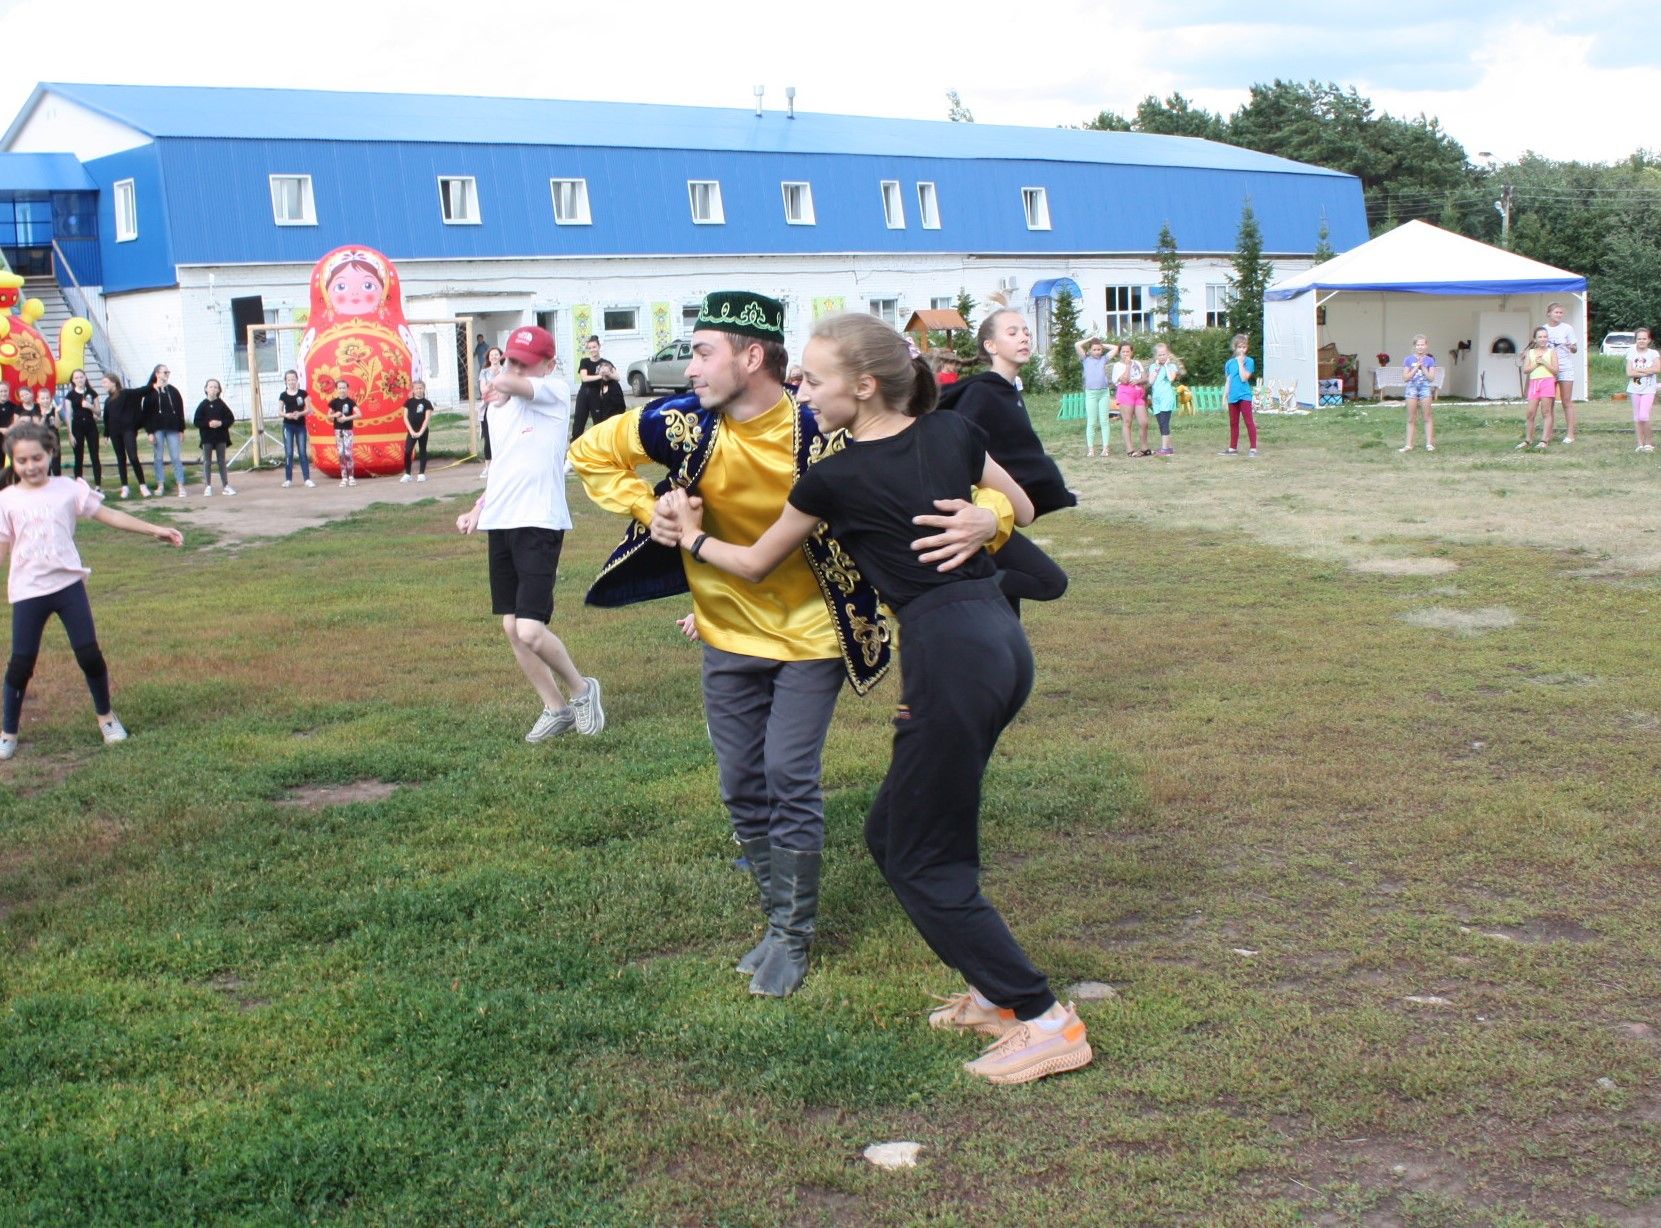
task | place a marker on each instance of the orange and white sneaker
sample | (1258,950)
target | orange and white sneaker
(963,1014)
(1027,1052)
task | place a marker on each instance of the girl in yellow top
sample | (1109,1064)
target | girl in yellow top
(1540,362)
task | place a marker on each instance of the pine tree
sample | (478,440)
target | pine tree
(1064,338)
(1248,281)
(964,342)
(1170,278)
(1323,242)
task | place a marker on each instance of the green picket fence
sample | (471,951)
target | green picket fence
(1206,401)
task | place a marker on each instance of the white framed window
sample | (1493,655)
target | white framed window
(1128,310)
(887,310)
(705,195)
(928,207)
(689,318)
(620,320)
(893,204)
(798,203)
(291,201)
(942,304)
(570,202)
(126,211)
(1036,201)
(1217,302)
(458,200)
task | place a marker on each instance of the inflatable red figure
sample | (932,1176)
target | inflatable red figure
(356,332)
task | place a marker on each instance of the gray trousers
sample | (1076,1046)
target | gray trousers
(767,721)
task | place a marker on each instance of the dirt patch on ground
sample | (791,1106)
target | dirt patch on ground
(1538,929)
(234,989)
(29,774)
(1384,1182)
(316,797)
(1365,502)
(1404,567)
(262,509)
(1461,622)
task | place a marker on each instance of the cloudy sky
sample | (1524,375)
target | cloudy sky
(1503,78)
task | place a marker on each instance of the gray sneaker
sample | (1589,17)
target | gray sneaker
(591,717)
(113,730)
(553,721)
(8,745)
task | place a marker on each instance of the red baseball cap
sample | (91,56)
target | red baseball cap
(530,344)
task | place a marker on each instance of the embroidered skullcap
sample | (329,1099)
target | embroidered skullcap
(743,312)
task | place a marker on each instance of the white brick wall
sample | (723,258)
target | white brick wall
(190,327)
(146,328)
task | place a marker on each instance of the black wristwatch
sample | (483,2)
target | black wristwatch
(698,545)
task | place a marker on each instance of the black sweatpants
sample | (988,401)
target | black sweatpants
(1026,571)
(126,454)
(86,438)
(966,670)
(414,444)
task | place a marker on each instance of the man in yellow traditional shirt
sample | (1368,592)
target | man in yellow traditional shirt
(774,652)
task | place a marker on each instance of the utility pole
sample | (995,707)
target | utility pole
(1503,207)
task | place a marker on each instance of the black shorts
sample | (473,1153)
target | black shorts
(523,566)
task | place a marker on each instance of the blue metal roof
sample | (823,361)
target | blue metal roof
(316,115)
(43,172)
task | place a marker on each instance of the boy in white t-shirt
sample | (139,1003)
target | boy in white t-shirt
(523,511)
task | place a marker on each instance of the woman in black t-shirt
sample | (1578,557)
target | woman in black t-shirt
(587,406)
(295,443)
(83,424)
(992,401)
(966,668)
(418,418)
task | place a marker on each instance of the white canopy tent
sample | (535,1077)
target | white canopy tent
(1476,304)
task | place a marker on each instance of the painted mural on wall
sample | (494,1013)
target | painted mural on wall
(663,325)
(357,332)
(582,327)
(828,305)
(26,358)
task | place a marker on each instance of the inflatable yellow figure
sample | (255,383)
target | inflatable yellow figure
(26,359)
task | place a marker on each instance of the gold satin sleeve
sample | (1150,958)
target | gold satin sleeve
(996,502)
(606,457)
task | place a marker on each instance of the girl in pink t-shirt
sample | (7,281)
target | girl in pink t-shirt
(37,522)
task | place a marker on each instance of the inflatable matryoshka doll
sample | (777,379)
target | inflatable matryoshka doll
(25,358)
(356,332)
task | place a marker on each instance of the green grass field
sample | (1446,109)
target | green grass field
(1311,739)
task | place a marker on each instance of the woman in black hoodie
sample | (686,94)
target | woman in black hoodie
(992,401)
(162,415)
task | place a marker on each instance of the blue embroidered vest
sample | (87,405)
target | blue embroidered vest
(679,433)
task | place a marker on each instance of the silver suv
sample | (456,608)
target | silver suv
(664,371)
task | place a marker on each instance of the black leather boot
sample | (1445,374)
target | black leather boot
(795,904)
